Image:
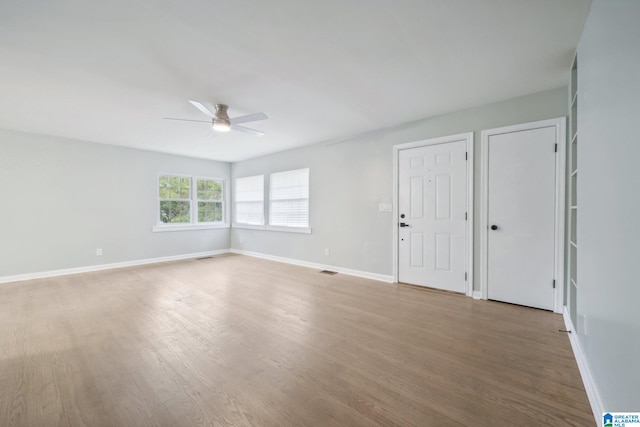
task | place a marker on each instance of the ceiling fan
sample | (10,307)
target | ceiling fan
(221,122)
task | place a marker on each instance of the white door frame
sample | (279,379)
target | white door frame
(468,137)
(560,124)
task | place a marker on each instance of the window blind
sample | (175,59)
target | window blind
(249,200)
(289,198)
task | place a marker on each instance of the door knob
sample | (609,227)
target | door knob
(402,224)
(494,227)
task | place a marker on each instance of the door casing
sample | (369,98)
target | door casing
(468,138)
(559,217)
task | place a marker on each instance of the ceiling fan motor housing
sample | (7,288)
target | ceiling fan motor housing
(221,112)
(222,121)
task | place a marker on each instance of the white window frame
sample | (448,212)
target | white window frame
(246,225)
(194,224)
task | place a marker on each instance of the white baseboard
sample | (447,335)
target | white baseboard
(87,269)
(64,272)
(597,407)
(477,294)
(348,271)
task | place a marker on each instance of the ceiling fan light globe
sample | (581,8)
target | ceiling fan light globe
(221,125)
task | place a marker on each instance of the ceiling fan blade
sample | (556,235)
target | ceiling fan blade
(200,106)
(247,130)
(249,118)
(188,120)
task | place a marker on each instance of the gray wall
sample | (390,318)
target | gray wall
(63,199)
(349,179)
(609,201)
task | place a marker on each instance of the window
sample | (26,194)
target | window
(189,202)
(175,200)
(209,196)
(249,200)
(289,199)
(288,202)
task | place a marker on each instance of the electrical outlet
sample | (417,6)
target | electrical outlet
(326,251)
(99,252)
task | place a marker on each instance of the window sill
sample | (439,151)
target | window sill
(301,230)
(249,226)
(187,227)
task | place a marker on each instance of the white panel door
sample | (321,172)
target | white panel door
(432,192)
(521,217)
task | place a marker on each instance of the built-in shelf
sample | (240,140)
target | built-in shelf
(572,260)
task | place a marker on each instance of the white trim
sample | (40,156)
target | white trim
(248,226)
(348,271)
(468,137)
(186,227)
(470,211)
(560,124)
(597,407)
(78,270)
(304,230)
(394,216)
(559,238)
(301,230)
(484,198)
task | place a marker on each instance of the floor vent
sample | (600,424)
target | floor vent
(328,272)
(203,258)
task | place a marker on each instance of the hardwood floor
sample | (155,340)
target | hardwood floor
(240,341)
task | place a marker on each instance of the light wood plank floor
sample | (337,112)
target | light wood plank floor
(240,341)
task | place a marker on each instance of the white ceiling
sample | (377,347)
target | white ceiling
(110,71)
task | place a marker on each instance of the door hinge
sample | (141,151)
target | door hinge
(555,150)
(465,276)
(554,283)
(466,155)
(465,216)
